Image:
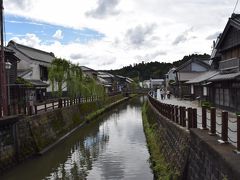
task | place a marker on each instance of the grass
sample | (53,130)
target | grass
(161,169)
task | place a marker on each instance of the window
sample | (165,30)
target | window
(43,73)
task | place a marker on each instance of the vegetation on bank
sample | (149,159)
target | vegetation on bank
(160,167)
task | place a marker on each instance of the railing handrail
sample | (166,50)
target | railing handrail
(175,114)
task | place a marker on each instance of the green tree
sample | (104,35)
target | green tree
(62,71)
(58,74)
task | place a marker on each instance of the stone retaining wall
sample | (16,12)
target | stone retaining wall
(194,154)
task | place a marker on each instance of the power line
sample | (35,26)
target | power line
(235,6)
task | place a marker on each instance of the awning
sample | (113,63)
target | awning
(222,77)
(203,77)
(37,83)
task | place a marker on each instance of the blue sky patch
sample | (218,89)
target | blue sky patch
(18,27)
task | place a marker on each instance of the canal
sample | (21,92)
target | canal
(111,147)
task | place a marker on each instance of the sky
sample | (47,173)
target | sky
(110,34)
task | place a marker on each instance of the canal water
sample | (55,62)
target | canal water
(111,147)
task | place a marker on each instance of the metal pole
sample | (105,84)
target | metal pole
(8,88)
(2,69)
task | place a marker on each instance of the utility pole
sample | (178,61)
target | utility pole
(4,104)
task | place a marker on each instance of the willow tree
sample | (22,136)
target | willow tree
(57,73)
(74,80)
(63,72)
(92,87)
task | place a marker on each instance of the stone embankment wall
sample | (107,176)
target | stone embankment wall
(31,135)
(194,154)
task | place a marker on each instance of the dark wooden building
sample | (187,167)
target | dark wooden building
(225,86)
(11,78)
(187,71)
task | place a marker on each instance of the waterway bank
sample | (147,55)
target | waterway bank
(39,133)
(161,168)
(113,146)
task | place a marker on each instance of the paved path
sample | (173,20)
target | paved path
(194,104)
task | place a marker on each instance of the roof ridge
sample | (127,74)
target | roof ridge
(17,44)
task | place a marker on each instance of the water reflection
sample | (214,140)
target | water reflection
(112,147)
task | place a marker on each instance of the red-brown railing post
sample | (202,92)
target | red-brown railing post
(204,117)
(29,110)
(184,116)
(35,106)
(189,118)
(213,121)
(60,103)
(172,108)
(53,104)
(225,126)
(194,118)
(176,114)
(181,115)
(170,111)
(45,106)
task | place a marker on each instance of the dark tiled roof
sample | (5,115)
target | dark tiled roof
(31,53)
(205,76)
(37,83)
(234,21)
(203,61)
(222,77)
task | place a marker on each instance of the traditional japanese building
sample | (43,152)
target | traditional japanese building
(191,69)
(33,69)
(225,87)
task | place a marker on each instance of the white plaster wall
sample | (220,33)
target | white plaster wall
(198,68)
(23,65)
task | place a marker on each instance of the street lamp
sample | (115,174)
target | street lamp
(8,66)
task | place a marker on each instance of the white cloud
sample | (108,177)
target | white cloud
(104,8)
(29,40)
(136,28)
(58,35)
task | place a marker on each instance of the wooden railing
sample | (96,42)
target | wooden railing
(30,109)
(228,129)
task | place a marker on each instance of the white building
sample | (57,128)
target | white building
(33,67)
(156,83)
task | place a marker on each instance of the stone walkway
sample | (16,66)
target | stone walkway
(232,125)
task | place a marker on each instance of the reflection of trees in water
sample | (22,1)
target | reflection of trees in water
(137,102)
(74,157)
(82,155)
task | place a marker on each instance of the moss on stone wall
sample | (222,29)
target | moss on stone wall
(161,168)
